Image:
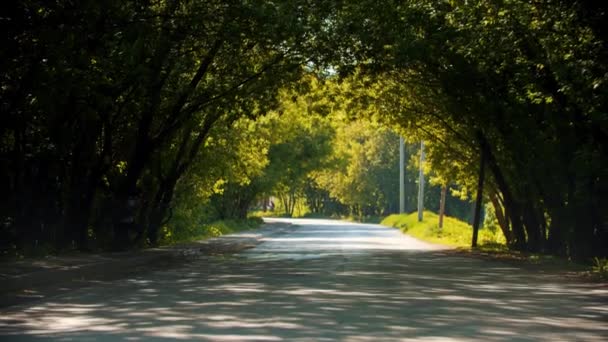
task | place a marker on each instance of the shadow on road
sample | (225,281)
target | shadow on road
(380,296)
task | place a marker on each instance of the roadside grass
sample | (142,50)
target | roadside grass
(363,219)
(600,268)
(260,213)
(270,213)
(454,233)
(491,245)
(213,229)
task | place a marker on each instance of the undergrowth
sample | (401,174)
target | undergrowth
(213,229)
(600,268)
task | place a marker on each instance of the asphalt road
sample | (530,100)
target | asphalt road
(323,281)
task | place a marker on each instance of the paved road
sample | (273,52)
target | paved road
(323,281)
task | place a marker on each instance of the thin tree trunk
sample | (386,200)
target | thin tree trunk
(479,200)
(512,207)
(500,217)
(533,229)
(442,205)
(401,175)
(421,184)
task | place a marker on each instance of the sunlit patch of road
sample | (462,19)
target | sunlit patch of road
(319,238)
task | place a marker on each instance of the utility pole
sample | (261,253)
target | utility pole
(421,183)
(401,176)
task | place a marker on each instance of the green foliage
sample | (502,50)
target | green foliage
(299,144)
(600,267)
(108,106)
(259,214)
(365,173)
(490,222)
(454,232)
(521,82)
(233,157)
(363,219)
(208,230)
(300,209)
(116,115)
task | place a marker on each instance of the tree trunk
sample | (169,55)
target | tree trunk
(421,184)
(535,239)
(162,203)
(479,200)
(442,205)
(511,205)
(501,218)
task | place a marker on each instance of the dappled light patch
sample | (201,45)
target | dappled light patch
(415,296)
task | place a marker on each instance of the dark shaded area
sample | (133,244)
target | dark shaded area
(105,107)
(33,280)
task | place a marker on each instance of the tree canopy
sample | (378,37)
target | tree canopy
(116,114)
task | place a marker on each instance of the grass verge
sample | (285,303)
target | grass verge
(215,229)
(454,232)
(362,219)
(491,245)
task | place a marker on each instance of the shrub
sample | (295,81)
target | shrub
(600,267)
(209,230)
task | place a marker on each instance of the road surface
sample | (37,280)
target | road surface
(323,281)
